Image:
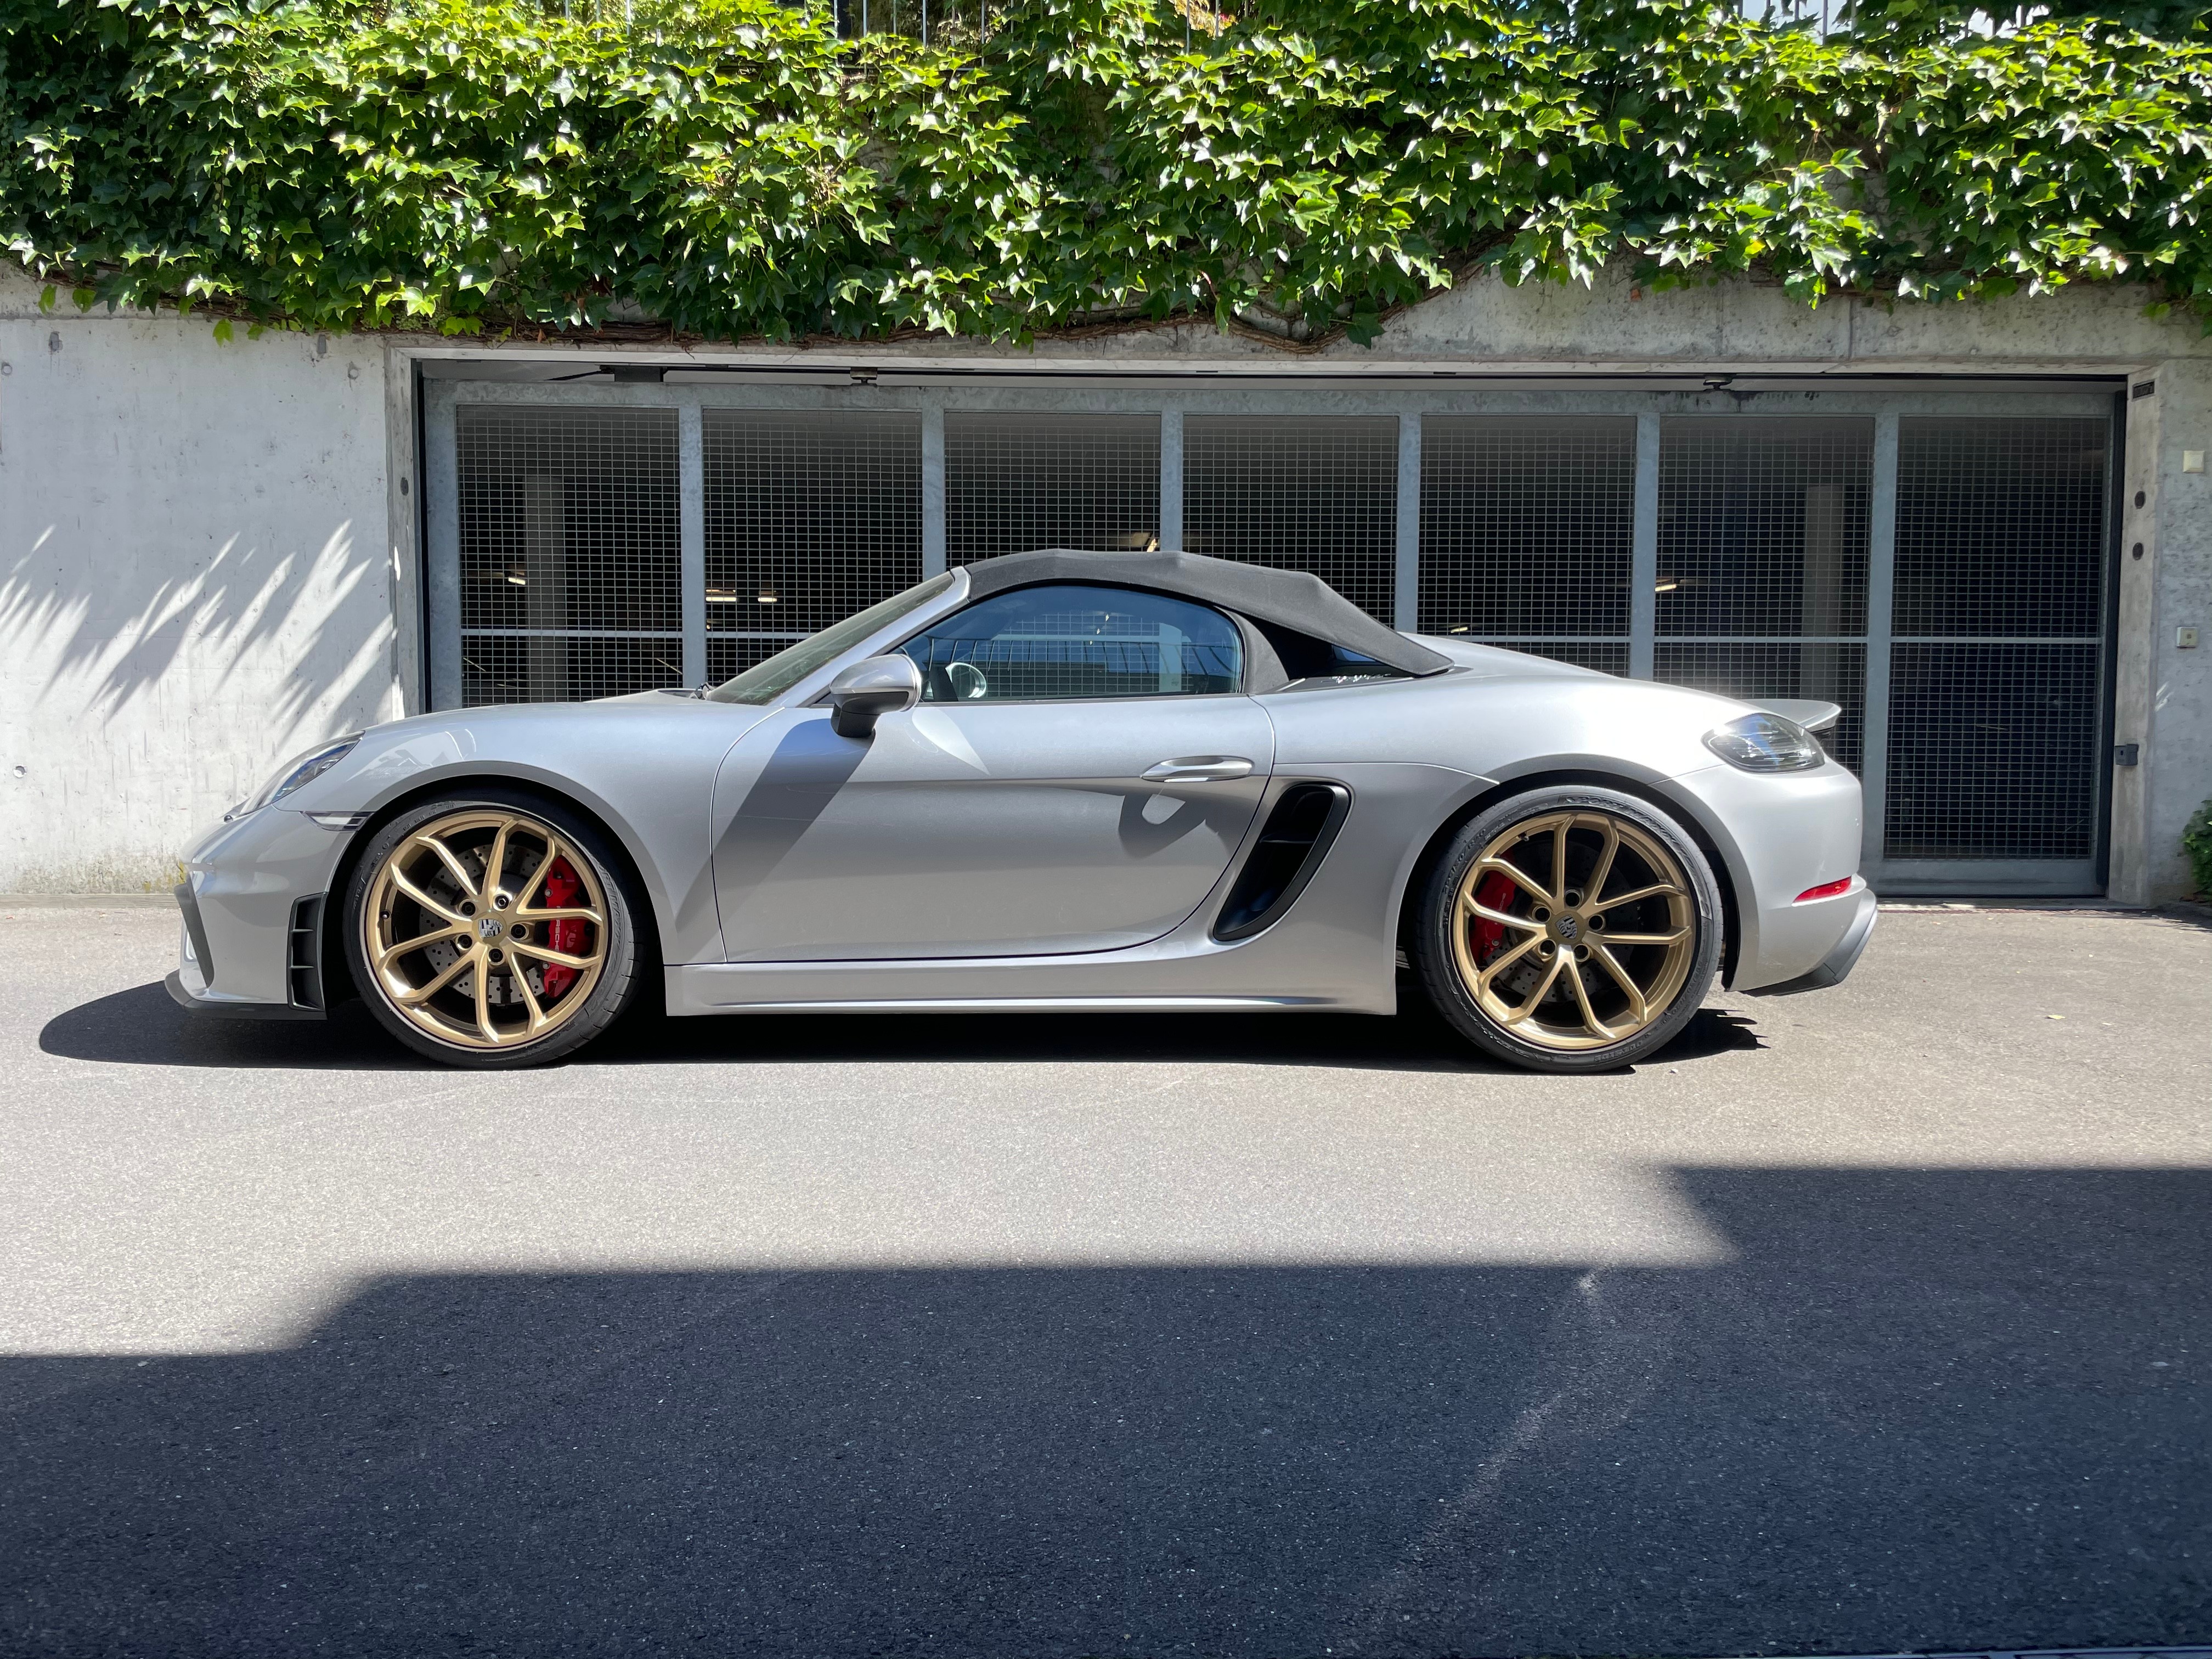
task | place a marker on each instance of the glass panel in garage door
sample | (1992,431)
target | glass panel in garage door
(1996,680)
(1298,493)
(1016,482)
(1527,533)
(809,516)
(1762,575)
(568,552)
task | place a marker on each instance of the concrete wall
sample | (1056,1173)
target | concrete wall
(207,563)
(1746,326)
(2164,696)
(195,578)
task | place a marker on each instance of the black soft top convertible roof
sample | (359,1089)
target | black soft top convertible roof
(1289,598)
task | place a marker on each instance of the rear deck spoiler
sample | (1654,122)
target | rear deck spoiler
(1813,716)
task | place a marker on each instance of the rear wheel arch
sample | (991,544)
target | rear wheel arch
(1570,928)
(1682,812)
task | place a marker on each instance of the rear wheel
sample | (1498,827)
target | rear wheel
(491,930)
(1571,930)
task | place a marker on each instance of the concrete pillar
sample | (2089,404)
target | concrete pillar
(2163,690)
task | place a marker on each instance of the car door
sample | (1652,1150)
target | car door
(1082,767)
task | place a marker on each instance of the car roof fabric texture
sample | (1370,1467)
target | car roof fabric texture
(1290,597)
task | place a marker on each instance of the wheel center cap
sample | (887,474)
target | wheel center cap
(1566,929)
(487,928)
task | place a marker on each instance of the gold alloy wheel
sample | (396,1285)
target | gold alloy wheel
(1575,929)
(486,929)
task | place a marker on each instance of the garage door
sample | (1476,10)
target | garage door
(1938,567)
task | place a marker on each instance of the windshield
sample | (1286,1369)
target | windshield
(764,682)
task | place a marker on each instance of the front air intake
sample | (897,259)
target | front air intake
(303,960)
(1291,845)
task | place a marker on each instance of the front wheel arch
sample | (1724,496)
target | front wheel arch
(1682,811)
(337,970)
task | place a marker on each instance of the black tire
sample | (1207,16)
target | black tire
(616,936)
(1450,942)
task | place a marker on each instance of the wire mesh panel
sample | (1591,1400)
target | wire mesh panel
(1996,684)
(810,517)
(1763,526)
(1299,493)
(1526,526)
(1762,577)
(1016,482)
(570,582)
(1992,752)
(2001,527)
(567,667)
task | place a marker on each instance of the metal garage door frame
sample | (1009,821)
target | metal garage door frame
(1409,403)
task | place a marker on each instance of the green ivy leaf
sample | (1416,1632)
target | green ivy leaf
(728,168)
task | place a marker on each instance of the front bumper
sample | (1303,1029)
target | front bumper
(252,943)
(228,1008)
(1836,967)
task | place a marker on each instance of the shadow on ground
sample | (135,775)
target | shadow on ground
(144,1027)
(1916,1410)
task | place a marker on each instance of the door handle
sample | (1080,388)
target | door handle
(1198,769)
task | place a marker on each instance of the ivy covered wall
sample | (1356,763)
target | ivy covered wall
(734,169)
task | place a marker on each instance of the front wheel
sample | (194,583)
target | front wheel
(491,929)
(1571,929)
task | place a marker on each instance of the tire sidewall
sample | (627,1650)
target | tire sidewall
(1439,903)
(618,979)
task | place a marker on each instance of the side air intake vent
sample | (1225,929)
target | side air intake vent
(1291,845)
(304,955)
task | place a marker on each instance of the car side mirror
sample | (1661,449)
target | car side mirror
(866,691)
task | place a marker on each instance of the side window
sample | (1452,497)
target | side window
(1310,664)
(1077,641)
(1335,664)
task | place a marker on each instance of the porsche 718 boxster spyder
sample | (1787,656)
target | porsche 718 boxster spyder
(1054,781)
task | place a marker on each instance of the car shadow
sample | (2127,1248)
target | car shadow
(142,1026)
(1904,1410)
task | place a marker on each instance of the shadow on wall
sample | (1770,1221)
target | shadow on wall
(1918,1410)
(245,606)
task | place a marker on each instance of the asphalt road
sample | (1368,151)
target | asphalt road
(1858,1322)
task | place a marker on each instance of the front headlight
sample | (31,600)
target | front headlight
(1766,743)
(296,774)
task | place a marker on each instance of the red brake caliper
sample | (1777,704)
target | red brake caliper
(1493,892)
(566,935)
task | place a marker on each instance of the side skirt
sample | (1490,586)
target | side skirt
(1153,979)
(1131,1004)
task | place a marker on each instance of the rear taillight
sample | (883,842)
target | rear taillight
(1826,890)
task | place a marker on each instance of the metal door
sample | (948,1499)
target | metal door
(1934,561)
(1760,584)
(1989,776)
(567,572)
(1527,534)
(979,829)
(807,516)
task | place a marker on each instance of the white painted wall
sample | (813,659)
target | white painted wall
(195,578)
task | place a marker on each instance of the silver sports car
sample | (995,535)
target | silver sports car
(1054,781)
